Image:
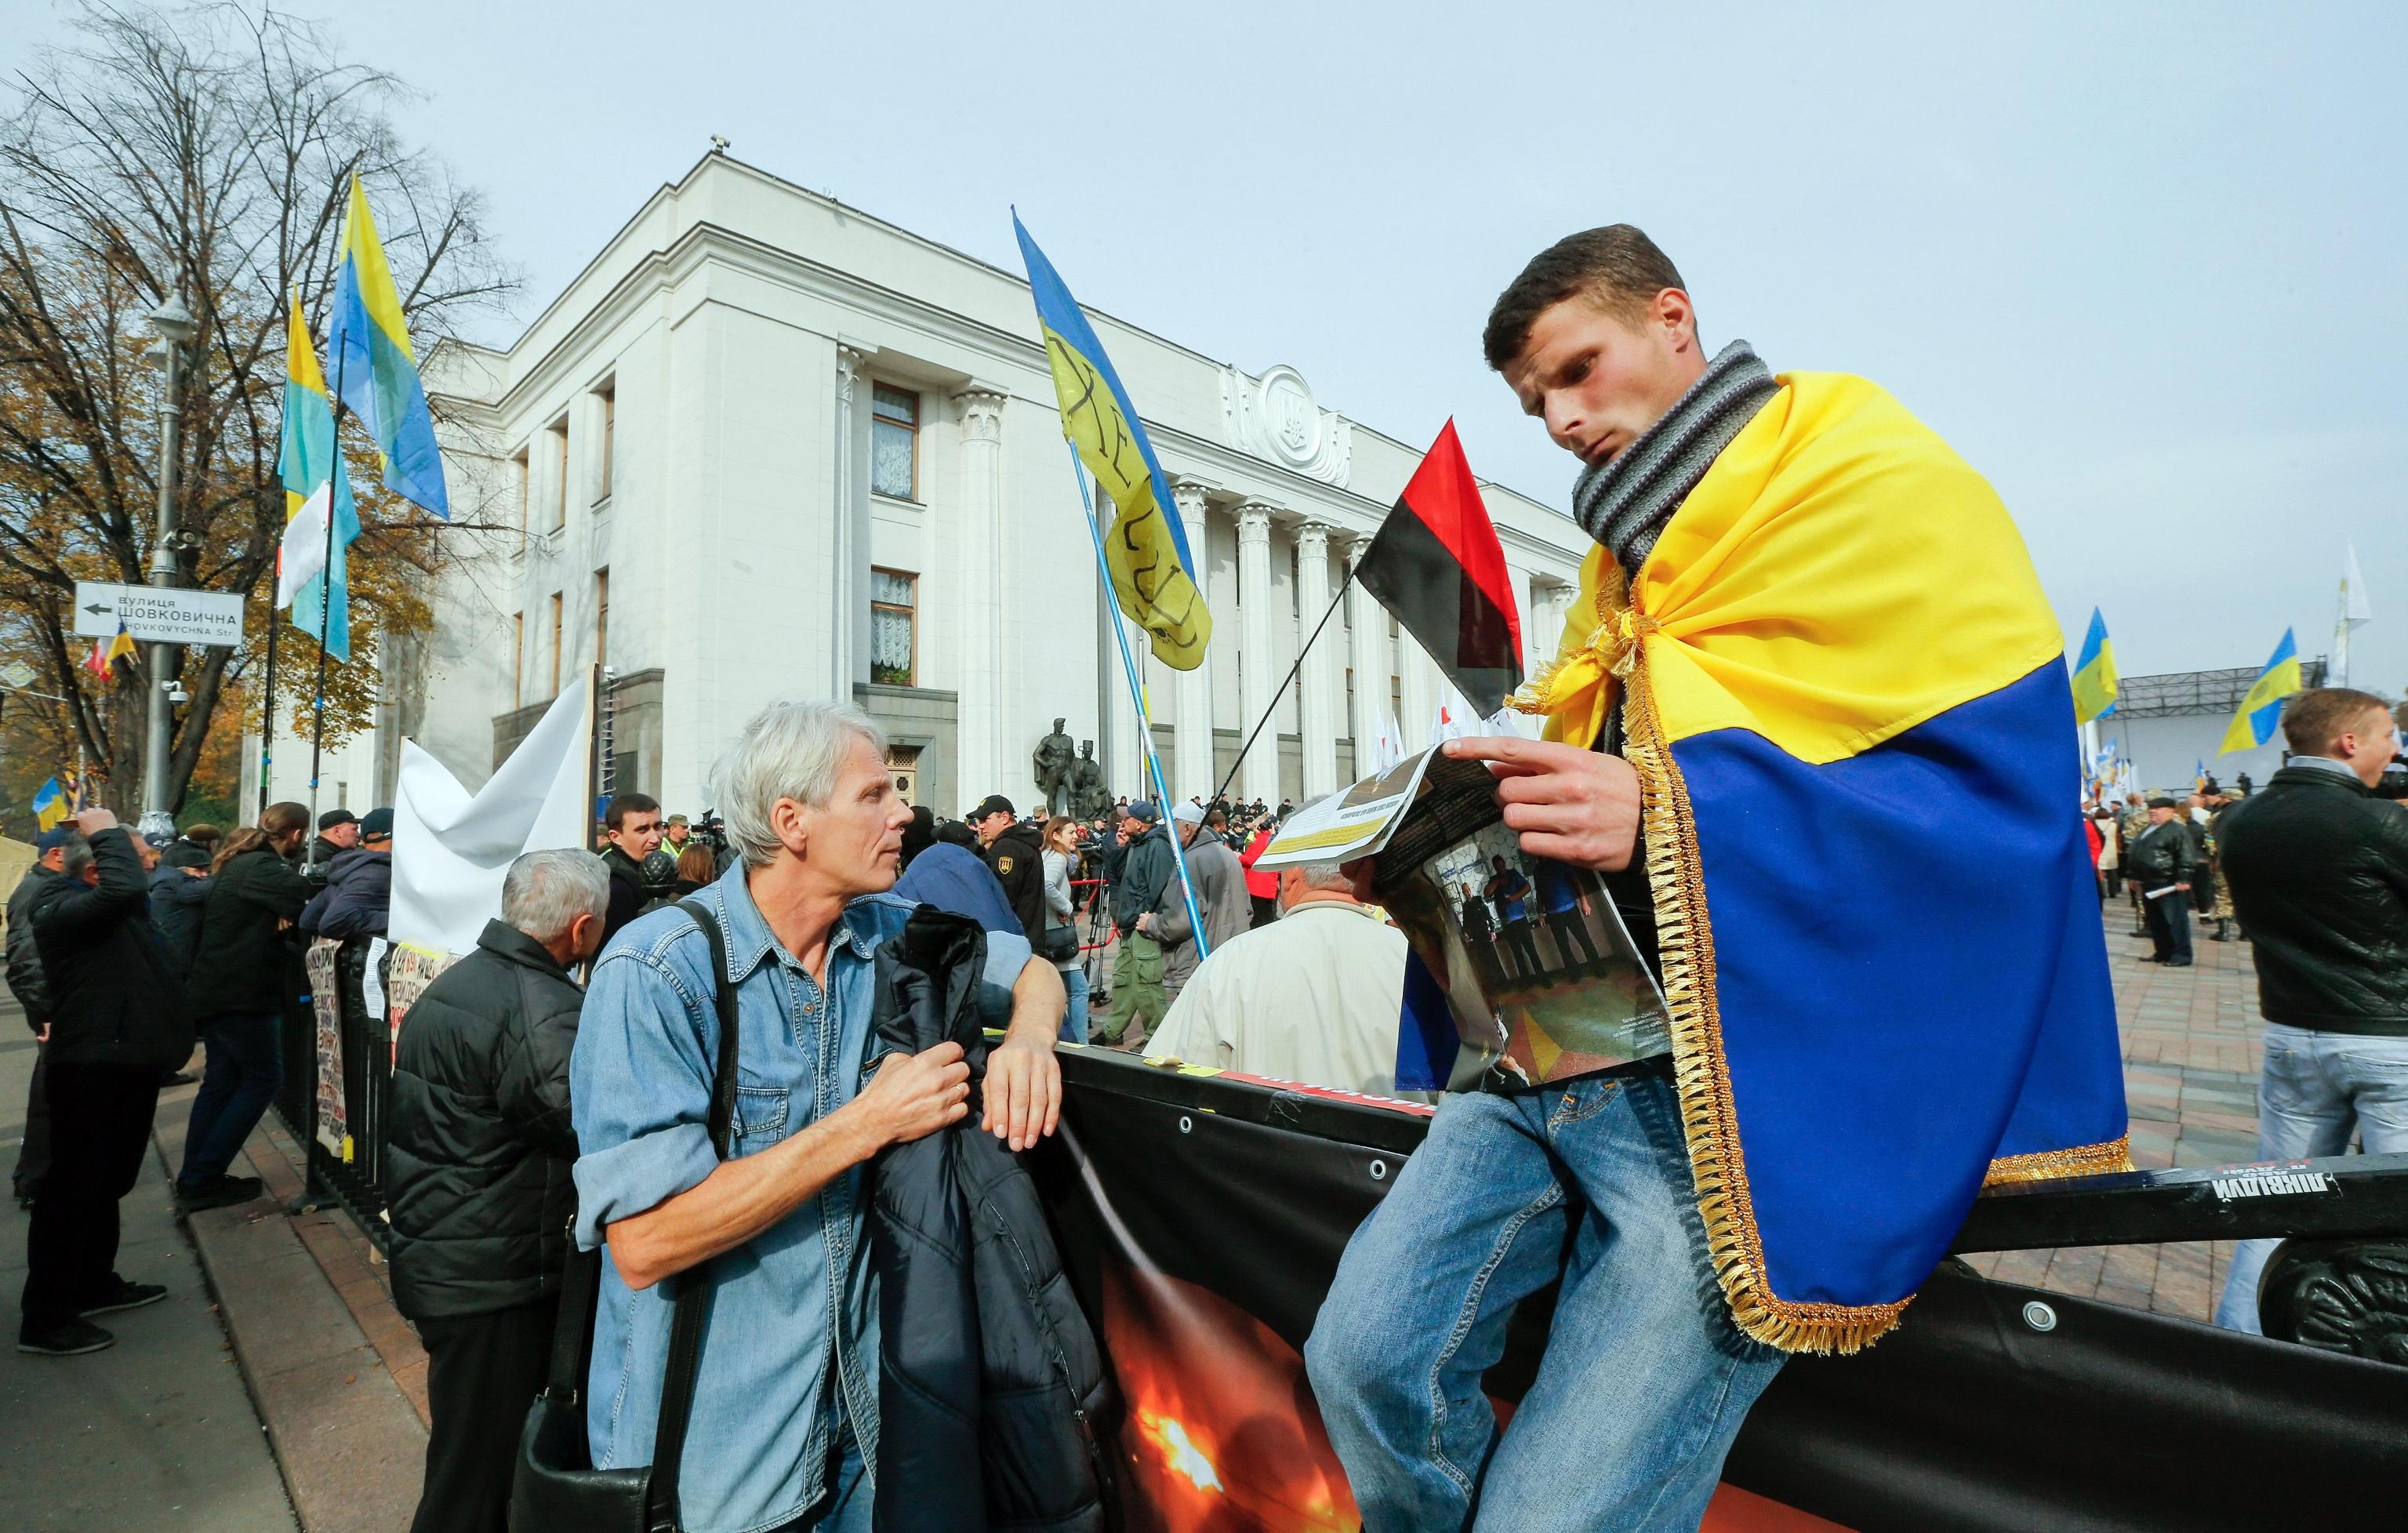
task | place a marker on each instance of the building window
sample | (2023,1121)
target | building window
(559,454)
(606,400)
(894,637)
(602,617)
(895,442)
(518,658)
(555,643)
(519,467)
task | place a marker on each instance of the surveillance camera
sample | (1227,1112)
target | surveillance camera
(178,695)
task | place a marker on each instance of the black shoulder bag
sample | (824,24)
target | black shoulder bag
(557,1489)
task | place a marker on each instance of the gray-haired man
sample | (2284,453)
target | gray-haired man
(479,1148)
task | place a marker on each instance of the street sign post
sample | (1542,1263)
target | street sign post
(155,615)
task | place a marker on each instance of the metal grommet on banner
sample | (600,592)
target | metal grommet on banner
(1186,1123)
(1379,1170)
(2039,1316)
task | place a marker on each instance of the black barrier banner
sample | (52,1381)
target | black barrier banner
(1202,1216)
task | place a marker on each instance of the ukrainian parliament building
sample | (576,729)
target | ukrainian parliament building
(767,445)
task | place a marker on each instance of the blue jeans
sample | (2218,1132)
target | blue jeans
(245,1066)
(2316,1087)
(1074,1017)
(849,1503)
(1645,1380)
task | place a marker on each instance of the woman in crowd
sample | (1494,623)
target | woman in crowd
(1061,941)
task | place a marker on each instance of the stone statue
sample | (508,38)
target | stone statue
(1051,763)
(1089,798)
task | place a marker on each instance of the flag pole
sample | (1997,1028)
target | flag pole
(1137,696)
(268,710)
(1281,691)
(327,612)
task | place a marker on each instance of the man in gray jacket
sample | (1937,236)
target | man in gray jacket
(1220,882)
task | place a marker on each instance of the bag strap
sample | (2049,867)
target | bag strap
(694,1284)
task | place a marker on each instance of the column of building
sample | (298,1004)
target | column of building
(1192,775)
(1258,669)
(1367,654)
(978,673)
(848,580)
(1317,705)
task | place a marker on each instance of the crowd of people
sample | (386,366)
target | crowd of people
(746,1061)
(124,950)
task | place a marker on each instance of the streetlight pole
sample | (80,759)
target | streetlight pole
(174,322)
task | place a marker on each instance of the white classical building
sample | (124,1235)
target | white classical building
(766,444)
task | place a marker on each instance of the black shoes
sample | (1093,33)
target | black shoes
(67,1339)
(2178,963)
(122,1295)
(218,1191)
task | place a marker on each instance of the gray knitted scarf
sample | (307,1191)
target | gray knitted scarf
(1625,501)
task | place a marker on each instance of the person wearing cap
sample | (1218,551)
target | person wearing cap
(359,885)
(1146,869)
(338,831)
(1220,886)
(2159,863)
(677,835)
(26,983)
(180,891)
(117,1022)
(1015,853)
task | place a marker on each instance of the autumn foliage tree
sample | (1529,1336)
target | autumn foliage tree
(204,153)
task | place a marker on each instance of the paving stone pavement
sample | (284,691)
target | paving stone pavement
(2191,1053)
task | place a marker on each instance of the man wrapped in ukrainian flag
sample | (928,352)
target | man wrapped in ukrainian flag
(1810,721)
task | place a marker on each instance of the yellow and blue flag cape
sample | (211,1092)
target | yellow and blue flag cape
(2094,673)
(50,808)
(1846,698)
(2261,709)
(370,345)
(304,459)
(1146,549)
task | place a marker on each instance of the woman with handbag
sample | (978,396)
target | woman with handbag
(1061,940)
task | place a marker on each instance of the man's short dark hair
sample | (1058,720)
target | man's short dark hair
(2313,720)
(1617,267)
(626,804)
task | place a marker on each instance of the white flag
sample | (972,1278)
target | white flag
(450,846)
(2355,608)
(302,556)
(1389,747)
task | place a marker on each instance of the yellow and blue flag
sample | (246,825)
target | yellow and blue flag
(2094,673)
(306,460)
(1841,686)
(1146,548)
(377,373)
(50,808)
(2261,709)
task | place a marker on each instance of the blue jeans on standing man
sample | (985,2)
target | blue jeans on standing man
(1645,1380)
(245,1066)
(2316,1087)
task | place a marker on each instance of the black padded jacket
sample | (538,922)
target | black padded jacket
(478,1141)
(2318,870)
(987,1358)
(24,957)
(113,998)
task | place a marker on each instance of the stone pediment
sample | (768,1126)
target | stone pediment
(1274,417)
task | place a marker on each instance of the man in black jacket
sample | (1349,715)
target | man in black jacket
(478,1158)
(631,824)
(25,983)
(1016,855)
(2318,870)
(237,991)
(179,893)
(2159,863)
(117,1021)
(358,895)
(1146,869)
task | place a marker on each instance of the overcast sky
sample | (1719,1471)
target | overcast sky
(2144,269)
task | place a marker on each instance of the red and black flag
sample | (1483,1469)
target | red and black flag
(1436,565)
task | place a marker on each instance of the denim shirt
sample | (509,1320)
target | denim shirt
(791,1348)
